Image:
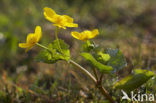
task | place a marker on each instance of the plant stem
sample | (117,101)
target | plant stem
(101,78)
(56,36)
(42,46)
(106,94)
(83,70)
(56,32)
(95,73)
(99,86)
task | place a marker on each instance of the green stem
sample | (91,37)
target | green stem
(56,32)
(83,70)
(95,73)
(56,36)
(42,46)
(99,86)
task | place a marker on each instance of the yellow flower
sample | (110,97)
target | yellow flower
(32,39)
(85,35)
(61,21)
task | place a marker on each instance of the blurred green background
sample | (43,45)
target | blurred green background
(129,25)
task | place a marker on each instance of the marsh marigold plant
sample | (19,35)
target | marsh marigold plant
(85,35)
(104,61)
(32,39)
(61,21)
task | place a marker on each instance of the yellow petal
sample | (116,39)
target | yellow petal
(59,21)
(68,18)
(85,35)
(76,35)
(62,21)
(23,45)
(28,48)
(49,14)
(86,32)
(38,33)
(60,26)
(31,39)
(94,33)
(71,25)
(69,21)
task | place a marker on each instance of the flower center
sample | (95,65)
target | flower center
(33,40)
(60,20)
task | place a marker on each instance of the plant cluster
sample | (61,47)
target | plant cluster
(103,61)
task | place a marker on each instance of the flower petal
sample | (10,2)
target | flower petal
(49,14)
(76,35)
(38,33)
(71,25)
(94,33)
(60,26)
(69,21)
(23,45)
(85,35)
(28,49)
(68,18)
(31,37)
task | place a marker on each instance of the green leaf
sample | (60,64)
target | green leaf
(54,53)
(131,82)
(117,60)
(64,52)
(100,66)
(103,57)
(88,46)
(46,57)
